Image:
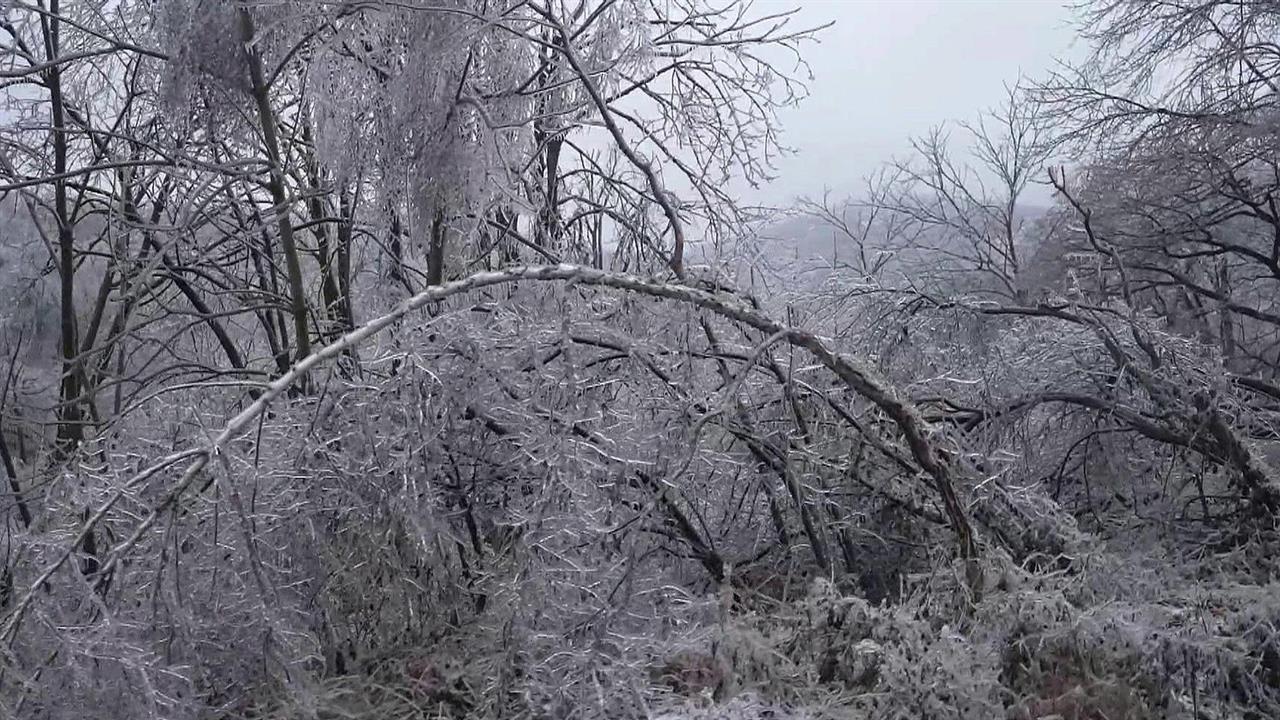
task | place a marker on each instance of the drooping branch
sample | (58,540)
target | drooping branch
(854,374)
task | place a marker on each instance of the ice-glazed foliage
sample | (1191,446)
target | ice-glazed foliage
(397,90)
(322,394)
(206,54)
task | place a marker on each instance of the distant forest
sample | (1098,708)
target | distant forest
(379,360)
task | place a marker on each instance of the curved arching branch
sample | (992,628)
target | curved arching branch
(856,376)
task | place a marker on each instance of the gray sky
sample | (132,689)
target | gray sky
(892,69)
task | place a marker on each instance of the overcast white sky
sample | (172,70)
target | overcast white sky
(891,69)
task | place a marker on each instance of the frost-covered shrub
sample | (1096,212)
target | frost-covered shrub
(1062,659)
(894,661)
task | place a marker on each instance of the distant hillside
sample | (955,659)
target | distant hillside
(811,242)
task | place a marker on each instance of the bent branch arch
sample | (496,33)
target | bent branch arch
(853,373)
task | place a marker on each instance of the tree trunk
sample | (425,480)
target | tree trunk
(320,227)
(346,231)
(276,185)
(70,429)
(435,257)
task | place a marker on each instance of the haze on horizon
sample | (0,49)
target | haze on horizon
(889,70)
